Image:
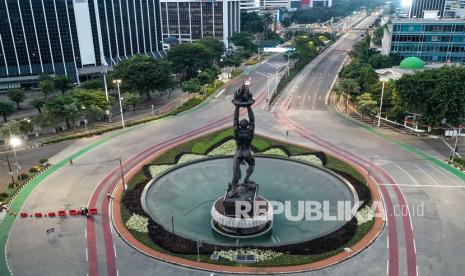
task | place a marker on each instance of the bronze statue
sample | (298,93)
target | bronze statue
(243,134)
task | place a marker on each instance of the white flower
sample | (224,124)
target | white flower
(310,158)
(158,169)
(189,157)
(260,255)
(364,215)
(227,148)
(275,151)
(138,223)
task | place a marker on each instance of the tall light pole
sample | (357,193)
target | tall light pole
(381,103)
(14,142)
(118,83)
(106,91)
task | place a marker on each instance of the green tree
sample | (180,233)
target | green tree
(46,86)
(378,36)
(95,84)
(17,96)
(205,77)
(268,19)
(363,73)
(63,108)
(214,46)
(244,40)
(131,99)
(252,22)
(89,98)
(305,49)
(6,109)
(62,83)
(366,105)
(378,61)
(192,86)
(38,103)
(348,88)
(436,94)
(187,58)
(143,74)
(22,127)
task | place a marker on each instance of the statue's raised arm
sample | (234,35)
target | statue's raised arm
(251,118)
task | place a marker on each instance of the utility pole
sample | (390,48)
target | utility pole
(9,168)
(381,104)
(122,173)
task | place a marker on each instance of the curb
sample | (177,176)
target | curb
(358,247)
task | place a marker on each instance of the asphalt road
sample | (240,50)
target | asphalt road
(424,202)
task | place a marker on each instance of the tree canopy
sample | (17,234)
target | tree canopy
(143,74)
(62,83)
(192,86)
(17,96)
(214,46)
(187,58)
(436,94)
(6,109)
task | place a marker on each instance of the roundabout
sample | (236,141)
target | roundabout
(181,198)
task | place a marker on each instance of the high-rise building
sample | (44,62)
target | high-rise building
(418,7)
(432,40)
(250,5)
(73,37)
(189,20)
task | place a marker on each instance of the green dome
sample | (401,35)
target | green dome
(412,63)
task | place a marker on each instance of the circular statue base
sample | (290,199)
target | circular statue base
(255,223)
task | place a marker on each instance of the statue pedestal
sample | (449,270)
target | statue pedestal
(243,214)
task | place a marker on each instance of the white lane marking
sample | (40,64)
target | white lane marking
(85,233)
(87,255)
(387,242)
(309,97)
(414,246)
(417,270)
(427,174)
(411,177)
(219,93)
(212,274)
(387,267)
(443,173)
(114,248)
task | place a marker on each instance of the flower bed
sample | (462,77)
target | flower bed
(221,143)
(138,223)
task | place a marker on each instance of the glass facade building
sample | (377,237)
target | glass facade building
(74,37)
(189,20)
(430,40)
(418,7)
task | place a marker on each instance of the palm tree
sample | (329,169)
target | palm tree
(268,19)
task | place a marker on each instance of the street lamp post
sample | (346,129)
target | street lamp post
(9,169)
(118,83)
(106,91)
(381,104)
(14,142)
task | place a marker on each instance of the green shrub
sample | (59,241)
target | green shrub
(3,195)
(23,176)
(43,160)
(11,185)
